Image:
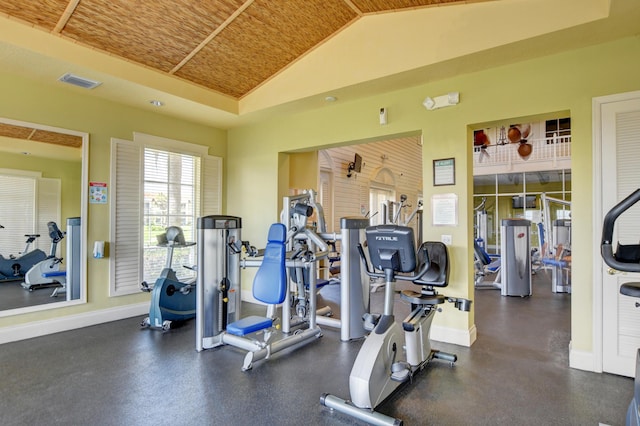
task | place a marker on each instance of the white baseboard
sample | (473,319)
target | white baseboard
(455,336)
(29,330)
(582,360)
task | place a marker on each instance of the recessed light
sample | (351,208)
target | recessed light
(156,102)
(330,99)
(25,153)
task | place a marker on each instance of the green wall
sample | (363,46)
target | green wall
(76,110)
(256,168)
(563,82)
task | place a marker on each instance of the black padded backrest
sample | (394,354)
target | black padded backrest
(437,255)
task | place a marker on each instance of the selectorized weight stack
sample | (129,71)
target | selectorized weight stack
(516,258)
(218,299)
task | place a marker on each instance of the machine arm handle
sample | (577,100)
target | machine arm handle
(606,247)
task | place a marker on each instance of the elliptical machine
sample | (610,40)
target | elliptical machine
(171,299)
(627,259)
(381,367)
(35,276)
(14,268)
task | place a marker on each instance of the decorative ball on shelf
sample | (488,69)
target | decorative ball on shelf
(525,149)
(480,138)
(514,134)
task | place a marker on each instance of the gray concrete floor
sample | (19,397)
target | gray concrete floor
(516,373)
(13,295)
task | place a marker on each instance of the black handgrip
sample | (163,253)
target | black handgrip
(606,246)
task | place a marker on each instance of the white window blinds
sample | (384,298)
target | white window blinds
(154,187)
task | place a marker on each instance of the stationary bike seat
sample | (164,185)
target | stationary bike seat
(421,299)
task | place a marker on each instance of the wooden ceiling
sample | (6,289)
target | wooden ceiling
(39,135)
(229,46)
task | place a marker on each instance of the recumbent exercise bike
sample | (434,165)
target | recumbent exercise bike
(627,259)
(381,366)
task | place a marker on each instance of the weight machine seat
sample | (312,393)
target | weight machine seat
(249,325)
(555,262)
(269,284)
(630,289)
(54,274)
(491,264)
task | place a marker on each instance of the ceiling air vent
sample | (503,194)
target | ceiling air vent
(85,83)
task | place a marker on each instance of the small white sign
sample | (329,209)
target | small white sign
(444,208)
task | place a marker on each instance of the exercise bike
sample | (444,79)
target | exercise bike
(392,353)
(41,274)
(627,259)
(171,299)
(14,268)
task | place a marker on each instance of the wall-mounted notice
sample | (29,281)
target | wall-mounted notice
(444,172)
(444,210)
(98,193)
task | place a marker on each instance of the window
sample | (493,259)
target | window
(171,198)
(157,183)
(558,127)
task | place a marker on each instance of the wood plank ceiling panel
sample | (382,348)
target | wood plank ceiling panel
(17,132)
(159,33)
(230,46)
(57,138)
(265,38)
(41,13)
(37,135)
(375,6)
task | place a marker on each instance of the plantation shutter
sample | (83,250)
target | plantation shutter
(211,185)
(18,215)
(125,267)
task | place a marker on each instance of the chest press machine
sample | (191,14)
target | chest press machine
(381,366)
(218,299)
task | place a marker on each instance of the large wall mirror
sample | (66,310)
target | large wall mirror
(43,186)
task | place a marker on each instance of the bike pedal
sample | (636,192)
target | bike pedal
(400,371)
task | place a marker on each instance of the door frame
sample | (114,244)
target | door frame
(598,217)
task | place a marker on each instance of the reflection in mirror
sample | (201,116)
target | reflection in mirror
(42,187)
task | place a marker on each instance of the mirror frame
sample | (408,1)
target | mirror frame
(84,187)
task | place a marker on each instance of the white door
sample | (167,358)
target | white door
(620,176)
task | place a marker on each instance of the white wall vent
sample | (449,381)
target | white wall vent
(85,83)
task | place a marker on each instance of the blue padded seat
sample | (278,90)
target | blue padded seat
(269,284)
(53,274)
(555,262)
(249,325)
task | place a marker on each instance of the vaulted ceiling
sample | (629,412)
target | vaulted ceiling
(230,46)
(219,60)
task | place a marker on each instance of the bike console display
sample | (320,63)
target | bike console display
(391,247)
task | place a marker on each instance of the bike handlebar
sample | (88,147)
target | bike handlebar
(606,248)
